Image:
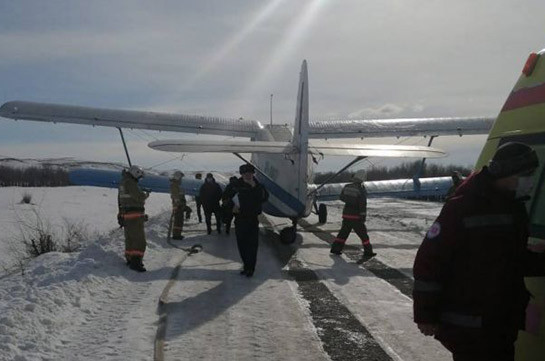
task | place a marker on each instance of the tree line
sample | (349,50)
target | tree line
(33,177)
(404,170)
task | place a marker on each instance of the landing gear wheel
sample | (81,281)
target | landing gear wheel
(322,213)
(287,235)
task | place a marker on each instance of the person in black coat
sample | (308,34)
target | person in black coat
(469,291)
(210,195)
(247,195)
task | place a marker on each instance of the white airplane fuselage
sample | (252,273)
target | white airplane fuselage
(286,182)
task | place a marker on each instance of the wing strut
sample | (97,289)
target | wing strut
(125,146)
(421,168)
(336,174)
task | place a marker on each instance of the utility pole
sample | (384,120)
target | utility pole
(271,109)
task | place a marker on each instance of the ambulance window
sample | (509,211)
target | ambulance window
(537,210)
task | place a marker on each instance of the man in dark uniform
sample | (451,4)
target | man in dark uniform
(131,200)
(247,195)
(469,271)
(354,196)
(210,194)
(179,205)
(198,204)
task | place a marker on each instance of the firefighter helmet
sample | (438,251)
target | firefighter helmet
(360,175)
(136,171)
(177,176)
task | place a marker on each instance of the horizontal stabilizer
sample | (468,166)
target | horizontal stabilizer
(211,146)
(373,150)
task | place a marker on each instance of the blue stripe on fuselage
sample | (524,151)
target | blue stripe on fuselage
(283,196)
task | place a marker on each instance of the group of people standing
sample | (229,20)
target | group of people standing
(241,200)
(469,271)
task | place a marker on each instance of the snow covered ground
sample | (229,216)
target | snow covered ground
(88,305)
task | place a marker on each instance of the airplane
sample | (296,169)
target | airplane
(283,157)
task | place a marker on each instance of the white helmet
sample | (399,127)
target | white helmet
(360,175)
(136,171)
(177,176)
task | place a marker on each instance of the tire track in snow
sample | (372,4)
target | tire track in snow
(391,275)
(343,336)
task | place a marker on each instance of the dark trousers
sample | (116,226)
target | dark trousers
(478,344)
(483,356)
(247,232)
(348,225)
(178,221)
(198,205)
(227,217)
(208,219)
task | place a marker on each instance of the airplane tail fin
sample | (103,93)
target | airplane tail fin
(300,135)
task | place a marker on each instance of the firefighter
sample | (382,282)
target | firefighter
(179,205)
(469,270)
(210,195)
(132,217)
(354,196)
(227,205)
(247,195)
(198,205)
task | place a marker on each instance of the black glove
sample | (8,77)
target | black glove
(146,217)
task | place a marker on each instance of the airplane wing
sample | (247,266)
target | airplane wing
(211,146)
(316,147)
(425,188)
(373,128)
(373,150)
(111,178)
(57,113)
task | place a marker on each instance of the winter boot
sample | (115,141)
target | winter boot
(336,248)
(177,237)
(367,252)
(137,265)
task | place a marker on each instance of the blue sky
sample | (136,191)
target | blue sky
(371,59)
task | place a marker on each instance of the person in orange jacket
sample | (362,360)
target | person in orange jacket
(131,200)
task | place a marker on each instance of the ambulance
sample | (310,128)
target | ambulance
(522,119)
